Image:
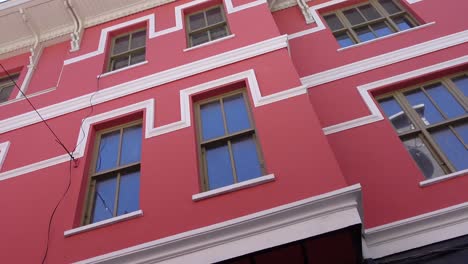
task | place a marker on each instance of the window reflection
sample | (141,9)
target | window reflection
(423,157)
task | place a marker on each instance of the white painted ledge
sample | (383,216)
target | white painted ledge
(444,178)
(234,187)
(122,69)
(386,37)
(28,95)
(99,224)
(210,42)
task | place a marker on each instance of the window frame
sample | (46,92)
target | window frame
(422,130)
(188,31)
(87,214)
(386,18)
(6,82)
(201,145)
(129,52)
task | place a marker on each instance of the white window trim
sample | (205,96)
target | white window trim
(103,223)
(28,95)
(234,187)
(210,42)
(443,178)
(122,69)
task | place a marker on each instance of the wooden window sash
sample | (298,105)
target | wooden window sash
(207,28)
(129,52)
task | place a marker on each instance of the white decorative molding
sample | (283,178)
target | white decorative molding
(103,223)
(210,42)
(234,187)
(417,231)
(78,30)
(265,229)
(3,152)
(152,33)
(17,99)
(36,53)
(148,106)
(123,69)
(364,91)
(443,178)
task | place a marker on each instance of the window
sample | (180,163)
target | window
(127,49)
(364,22)
(6,87)
(432,122)
(227,141)
(205,26)
(115,173)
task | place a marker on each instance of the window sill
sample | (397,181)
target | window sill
(443,178)
(122,69)
(100,224)
(28,95)
(209,43)
(385,37)
(233,187)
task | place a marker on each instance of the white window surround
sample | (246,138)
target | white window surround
(233,187)
(103,223)
(443,178)
(122,69)
(210,42)
(386,37)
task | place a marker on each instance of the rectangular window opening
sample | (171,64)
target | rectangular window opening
(205,26)
(127,49)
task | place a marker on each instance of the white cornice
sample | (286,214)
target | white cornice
(265,229)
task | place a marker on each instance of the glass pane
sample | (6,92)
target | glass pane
(423,157)
(353,16)
(395,114)
(121,44)
(211,120)
(199,38)
(462,131)
(452,147)
(137,57)
(424,107)
(246,159)
(365,34)
(104,199)
(402,23)
(218,32)
(369,12)
(333,22)
(197,21)
(129,193)
(138,39)
(131,145)
(108,150)
(120,62)
(5,93)
(344,40)
(237,118)
(462,84)
(445,100)
(381,29)
(218,165)
(389,6)
(214,16)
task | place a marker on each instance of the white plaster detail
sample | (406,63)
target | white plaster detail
(152,33)
(36,53)
(265,229)
(417,231)
(29,96)
(78,30)
(122,69)
(443,178)
(234,187)
(103,223)
(210,42)
(3,152)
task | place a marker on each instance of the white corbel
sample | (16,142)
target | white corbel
(309,18)
(77,33)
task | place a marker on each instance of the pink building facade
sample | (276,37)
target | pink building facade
(235,131)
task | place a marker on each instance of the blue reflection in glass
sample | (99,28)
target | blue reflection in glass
(129,193)
(218,164)
(131,145)
(402,23)
(381,29)
(462,131)
(108,150)
(246,159)
(462,84)
(429,114)
(365,34)
(104,199)
(237,118)
(395,114)
(344,40)
(445,100)
(211,120)
(453,149)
